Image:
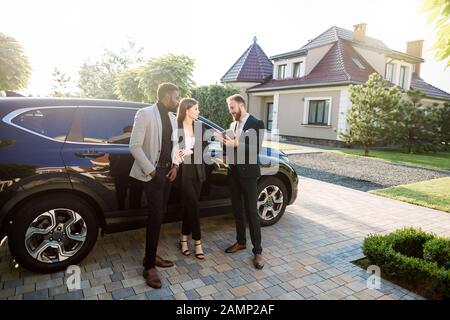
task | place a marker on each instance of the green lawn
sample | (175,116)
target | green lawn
(433,194)
(438,160)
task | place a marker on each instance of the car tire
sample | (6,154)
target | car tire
(276,206)
(52,232)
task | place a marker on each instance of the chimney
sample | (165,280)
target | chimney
(359,33)
(415,48)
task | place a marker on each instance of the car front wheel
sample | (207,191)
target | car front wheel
(50,233)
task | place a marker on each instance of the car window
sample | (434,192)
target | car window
(50,122)
(103,125)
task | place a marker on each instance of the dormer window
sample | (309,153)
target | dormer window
(390,72)
(282,71)
(402,79)
(297,70)
(358,63)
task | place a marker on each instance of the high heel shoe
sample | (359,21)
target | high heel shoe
(186,252)
(200,255)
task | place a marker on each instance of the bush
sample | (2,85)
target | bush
(438,250)
(213,103)
(412,256)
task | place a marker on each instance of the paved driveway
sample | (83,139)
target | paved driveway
(308,255)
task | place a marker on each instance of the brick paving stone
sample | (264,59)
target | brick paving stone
(192,284)
(57,290)
(133,282)
(192,294)
(105,296)
(275,291)
(240,291)
(206,290)
(88,292)
(73,295)
(99,281)
(12,284)
(49,284)
(113,286)
(122,293)
(158,294)
(258,295)
(5,293)
(25,288)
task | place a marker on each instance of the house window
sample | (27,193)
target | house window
(297,69)
(358,63)
(318,112)
(390,72)
(402,82)
(282,71)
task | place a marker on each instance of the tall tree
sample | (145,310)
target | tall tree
(97,78)
(213,104)
(127,85)
(439,15)
(177,69)
(416,125)
(443,124)
(371,118)
(61,83)
(15,69)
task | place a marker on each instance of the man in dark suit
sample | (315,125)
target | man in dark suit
(243,142)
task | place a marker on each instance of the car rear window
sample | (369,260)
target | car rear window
(50,122)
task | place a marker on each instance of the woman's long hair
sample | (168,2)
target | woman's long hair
(185,105)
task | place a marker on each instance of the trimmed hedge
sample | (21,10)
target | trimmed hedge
(413,256)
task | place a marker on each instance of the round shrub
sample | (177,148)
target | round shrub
(412,256)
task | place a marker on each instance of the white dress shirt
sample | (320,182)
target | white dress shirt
(240,125)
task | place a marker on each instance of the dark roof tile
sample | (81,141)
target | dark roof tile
(252,66)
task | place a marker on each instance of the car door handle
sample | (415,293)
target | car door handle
(89,154)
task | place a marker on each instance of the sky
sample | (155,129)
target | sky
(65,33)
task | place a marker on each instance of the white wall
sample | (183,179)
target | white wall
(344,105)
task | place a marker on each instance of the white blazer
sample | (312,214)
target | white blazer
(145,142)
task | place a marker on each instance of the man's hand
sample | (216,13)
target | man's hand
(152,174)
(171,176)
(218,136)
(231,142)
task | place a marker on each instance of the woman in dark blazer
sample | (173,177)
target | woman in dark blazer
(192,173)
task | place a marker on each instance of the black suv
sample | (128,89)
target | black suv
(64,175)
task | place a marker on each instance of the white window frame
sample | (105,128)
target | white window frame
(392,72)
(300,67)
(306,110)
(405,77)
(279,71)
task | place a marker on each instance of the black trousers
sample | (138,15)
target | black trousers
(190,193)
(243,197)
(157,191)
(123,183)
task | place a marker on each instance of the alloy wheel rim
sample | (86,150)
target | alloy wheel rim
(55,235)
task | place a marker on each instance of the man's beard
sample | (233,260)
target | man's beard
(238,115)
